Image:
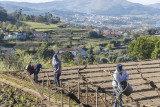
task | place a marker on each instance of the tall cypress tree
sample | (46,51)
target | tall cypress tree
(90,55)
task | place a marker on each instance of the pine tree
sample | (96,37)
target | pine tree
(90,55)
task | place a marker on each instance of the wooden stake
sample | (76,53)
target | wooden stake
(48,87)
(61,95)
(79,91)
(86,93)
(68,96)
(97,97)
(34,84)
(43,82)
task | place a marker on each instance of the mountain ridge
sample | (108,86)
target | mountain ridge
(102,7)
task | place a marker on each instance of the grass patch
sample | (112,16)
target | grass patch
(41,25)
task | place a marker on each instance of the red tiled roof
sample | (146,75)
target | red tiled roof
(111,32)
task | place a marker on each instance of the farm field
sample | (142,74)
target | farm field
(99,75)
(144,79)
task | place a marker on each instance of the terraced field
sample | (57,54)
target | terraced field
(142,74)
(144,79)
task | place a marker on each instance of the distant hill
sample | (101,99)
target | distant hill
(102,7)
(157,5)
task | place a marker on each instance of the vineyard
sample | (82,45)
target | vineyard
(91,85)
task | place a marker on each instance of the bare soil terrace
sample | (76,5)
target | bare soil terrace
(144,79)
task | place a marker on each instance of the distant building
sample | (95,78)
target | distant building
(111,33)
(83,51)
(39,34)
(4,50)
(15,36)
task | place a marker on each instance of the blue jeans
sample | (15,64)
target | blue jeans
(38,66)
(57,79)
(120,97)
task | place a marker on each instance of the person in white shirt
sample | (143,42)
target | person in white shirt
(119,76)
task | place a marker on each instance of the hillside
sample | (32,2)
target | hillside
(144,79)
(157,5)
(102,7)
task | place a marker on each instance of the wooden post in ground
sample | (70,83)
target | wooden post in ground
(105,99)
(61,95)
(79,91)
(55,94)
(43,85)
(55,78)
(96,96)
(48,87)
(86,93)
(34,84)
(68,96)
(43,82)
(48,78)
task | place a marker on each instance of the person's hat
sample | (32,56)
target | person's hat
(55,56)
(119,67)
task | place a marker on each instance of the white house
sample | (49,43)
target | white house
(83,51)
(15,36)
(7,50)
(72,50)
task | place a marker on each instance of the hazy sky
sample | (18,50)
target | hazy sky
(135,1)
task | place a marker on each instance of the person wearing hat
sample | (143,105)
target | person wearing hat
(120,75)
(57,69)
(33,68)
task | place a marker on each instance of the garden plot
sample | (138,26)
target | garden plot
(14,97)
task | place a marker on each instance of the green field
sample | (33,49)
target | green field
(41,26)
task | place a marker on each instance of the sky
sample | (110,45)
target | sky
(145,2)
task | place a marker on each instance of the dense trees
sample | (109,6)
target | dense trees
(44,52)
(48,18)
(94,34)
(142,48)
(17,16)
(67,56)
(151,31)
(3,14)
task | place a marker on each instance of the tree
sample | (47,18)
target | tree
(108,46)
(9,27)
(142,47)
(25,18)
(3,14)
(156,52)
(14,28)
(4,24)
(90,55)
(93,34)
(136,36)
(44,52)
(79,58)
(151,31)
(67,56)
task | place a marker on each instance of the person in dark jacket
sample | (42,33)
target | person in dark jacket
(33,68)
(57,69)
